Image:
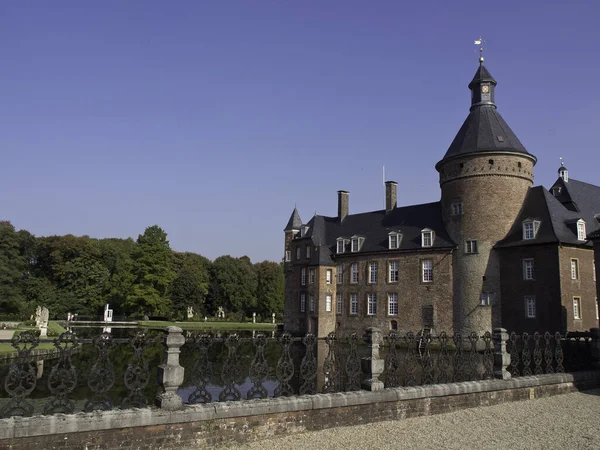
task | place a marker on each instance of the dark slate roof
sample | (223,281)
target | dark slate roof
(594,235)
(557,219)
(374,228)
(484,130)
(295,221)
(482,75)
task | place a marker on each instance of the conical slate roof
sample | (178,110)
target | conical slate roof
(482,75)
(295,221)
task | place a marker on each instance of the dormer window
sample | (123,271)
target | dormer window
(356,243)
(427,237)
(394,239)
(530,229)
(304,230)
(341,245)
(581,234)
(556,191)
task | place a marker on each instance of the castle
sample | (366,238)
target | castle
(494,251)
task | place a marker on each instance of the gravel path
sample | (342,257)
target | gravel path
(569,421)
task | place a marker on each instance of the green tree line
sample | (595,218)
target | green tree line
(137,278)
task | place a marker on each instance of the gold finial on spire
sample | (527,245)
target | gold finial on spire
(481,48)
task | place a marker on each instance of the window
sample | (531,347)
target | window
(393,304)
(311,302)
(426,238)
(328,303)
(297,252)
(456,209)
(341,243)
(328,276)
(594,270)
(373,272)
(530,306)
(340,274)
(288,256)
(528,269)
(371,304)
(302,302)
(575,269)
(356,244)
(311,276)
(576,307)
(530,229)
(487,298)
(470,246)
(581,230)
(307,251)
(394,239)
(556,191)
(354,273)
(393,277)
(338,303)
(303,277)
(427,270)
(597,316)
(353,304)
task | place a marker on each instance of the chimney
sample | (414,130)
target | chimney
(390,196)
(343,199)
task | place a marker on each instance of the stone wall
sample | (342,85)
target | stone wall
(202,426)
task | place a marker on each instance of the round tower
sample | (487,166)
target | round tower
(484,177)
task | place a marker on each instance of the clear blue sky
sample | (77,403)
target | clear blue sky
(212,118)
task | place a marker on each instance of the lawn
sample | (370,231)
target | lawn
(208,325)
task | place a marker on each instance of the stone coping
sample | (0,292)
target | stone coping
(16,427)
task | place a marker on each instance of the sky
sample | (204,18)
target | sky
(212,119)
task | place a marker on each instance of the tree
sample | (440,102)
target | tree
(190,286)
(270,290)
(152,274)
(13,268)
(233,284)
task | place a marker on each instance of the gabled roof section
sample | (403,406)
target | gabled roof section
(481,75)
(295,221)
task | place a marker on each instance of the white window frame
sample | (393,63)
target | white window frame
(303,302)
(427,237)
(393,273)
(528,269)
(356,244)
(340,274)
(311,302)
(298,252)
(341,245)
(594,270)
(328,303)
(354,273)
(311,276)
(303,277)
(456,208)
(392,304)
(338,303)
(371,304)
(394,240)
(288,256)
(577,308)
(530,306)
(307,251)
(574,269)
(328,276)
(597,312)
(354,304)
(471,247)
(427,272)
(581,235)
(530,229)
(372,272)
(486,298)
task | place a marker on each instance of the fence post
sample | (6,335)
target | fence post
(595,351)
(372,365)
(170,374)
(501,356)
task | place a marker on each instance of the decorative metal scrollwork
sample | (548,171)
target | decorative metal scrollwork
(558,353)
(410,360)
(514,355)
(444,360)
(459,359)
(548,353)
(330,366)
(537,354)
(63,376)
(202,370)
(137,374)
(473,357)
(21,378)
(308,367)
(285,368)
(392,363)
(259,369)
(102,376)
(526,356)
(488,357)
(427,360)
(353,370)
(231,371)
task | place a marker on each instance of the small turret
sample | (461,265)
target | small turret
(563,172)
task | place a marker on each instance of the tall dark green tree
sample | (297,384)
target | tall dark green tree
(270,290)
(190,286)
(233,284)
(13,269)
(152,274)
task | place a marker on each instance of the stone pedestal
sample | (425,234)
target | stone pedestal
(170,374)
(372,365)
(501,356)
(43,331)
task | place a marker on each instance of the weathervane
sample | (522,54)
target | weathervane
(562,163)
(480,43)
